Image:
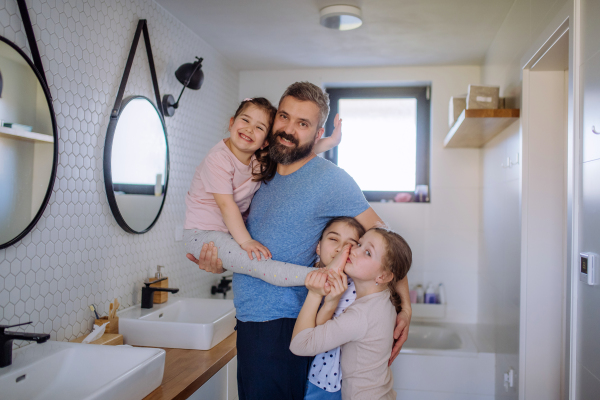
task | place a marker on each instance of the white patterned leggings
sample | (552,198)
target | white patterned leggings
(236,259)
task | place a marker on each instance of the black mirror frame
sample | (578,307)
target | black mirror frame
(42,80)
(142,27)
(110,193)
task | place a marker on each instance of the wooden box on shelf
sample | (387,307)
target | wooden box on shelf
(482,97)
(474,128)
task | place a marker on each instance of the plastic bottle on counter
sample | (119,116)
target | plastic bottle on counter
(413,295)
(441,294)
(430,297)
(420,294)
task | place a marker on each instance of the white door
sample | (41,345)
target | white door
(587,298)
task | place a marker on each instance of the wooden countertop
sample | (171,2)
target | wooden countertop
(187,370)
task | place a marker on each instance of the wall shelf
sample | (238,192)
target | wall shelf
(426,311)
(474,128)
(24,135)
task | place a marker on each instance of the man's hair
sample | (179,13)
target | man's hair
(306,91)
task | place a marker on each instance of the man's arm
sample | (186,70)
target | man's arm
(369,219)
(402,320)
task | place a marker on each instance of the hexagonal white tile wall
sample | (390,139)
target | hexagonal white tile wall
(77,255)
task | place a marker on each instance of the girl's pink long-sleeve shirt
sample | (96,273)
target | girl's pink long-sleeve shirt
(222,173)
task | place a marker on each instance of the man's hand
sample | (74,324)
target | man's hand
(400,333)
(209,259)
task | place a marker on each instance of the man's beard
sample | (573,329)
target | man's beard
(287,155)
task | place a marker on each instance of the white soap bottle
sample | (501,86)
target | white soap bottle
(441,294)
(430,297)
(420,294)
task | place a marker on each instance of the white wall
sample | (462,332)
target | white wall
(500,249)
(543,235)
(443,234)
(77,254)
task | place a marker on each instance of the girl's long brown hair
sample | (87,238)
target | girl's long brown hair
(397,259)
(267,167)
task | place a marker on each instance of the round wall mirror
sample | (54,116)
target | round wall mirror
(28,144)
(136,164)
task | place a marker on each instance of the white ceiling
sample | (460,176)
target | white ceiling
(285,34)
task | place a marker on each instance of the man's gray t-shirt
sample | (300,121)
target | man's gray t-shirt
(287,215)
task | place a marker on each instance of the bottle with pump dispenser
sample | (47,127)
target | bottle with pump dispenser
(420,294)
(430,297)
(441,292)
(413,295)
(160,297)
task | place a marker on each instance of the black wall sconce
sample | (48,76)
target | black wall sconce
(190,75)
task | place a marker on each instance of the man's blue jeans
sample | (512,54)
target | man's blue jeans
(267,369)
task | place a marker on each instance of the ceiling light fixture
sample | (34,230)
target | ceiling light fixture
(341,17)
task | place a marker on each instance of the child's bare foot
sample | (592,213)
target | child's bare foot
(339,261)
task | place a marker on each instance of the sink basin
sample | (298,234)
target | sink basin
(180,323)
(61,370)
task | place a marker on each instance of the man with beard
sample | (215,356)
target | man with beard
(287,215)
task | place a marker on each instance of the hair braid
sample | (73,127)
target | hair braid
(397,259)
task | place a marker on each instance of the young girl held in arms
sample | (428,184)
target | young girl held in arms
(223,187)
(365,330)
(325,367)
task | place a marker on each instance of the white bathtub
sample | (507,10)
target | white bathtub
(439,339)
(441,361)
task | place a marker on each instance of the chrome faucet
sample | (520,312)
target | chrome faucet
(148,292)
(6,341)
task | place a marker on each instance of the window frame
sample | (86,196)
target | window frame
(423,96)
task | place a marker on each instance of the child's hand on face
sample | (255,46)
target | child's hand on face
(339,261)
(253,246)
(339,284)
(316,282)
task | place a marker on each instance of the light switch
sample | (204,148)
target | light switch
(588,268)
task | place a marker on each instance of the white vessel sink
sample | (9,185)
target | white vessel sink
(180,323)
(61,370)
